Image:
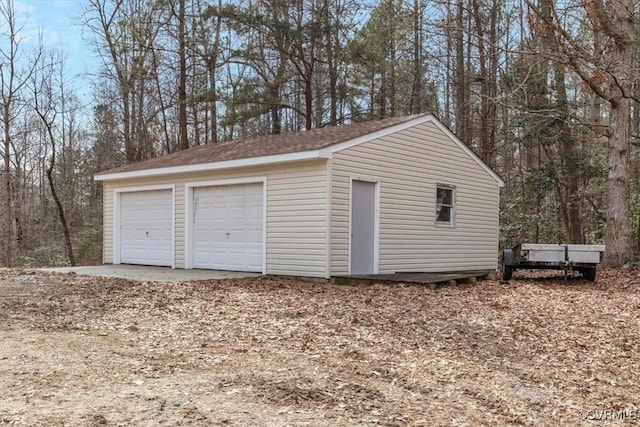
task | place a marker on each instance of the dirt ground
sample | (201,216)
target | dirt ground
(270,351)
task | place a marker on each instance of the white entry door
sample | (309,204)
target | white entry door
(146,227)
(363,227)
(228,227)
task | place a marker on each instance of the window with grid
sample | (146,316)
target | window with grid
(445,205)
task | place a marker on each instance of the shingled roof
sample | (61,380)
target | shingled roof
(261,146)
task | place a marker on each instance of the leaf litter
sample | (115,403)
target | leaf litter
(277,351)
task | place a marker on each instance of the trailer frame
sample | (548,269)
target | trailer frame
(565,257)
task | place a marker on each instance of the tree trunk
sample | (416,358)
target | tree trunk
(163,108)
(129,147)
(449,69)
(274,99)
(484,85)
(68,247)
(460,77)
(417,89)
(383,94)
(182,79)
(392,71)
(620,25)
(308,99)
(618,233)
(571,205)
(213,108)
(615,20)
(7,238)
(333,75)
(567,194)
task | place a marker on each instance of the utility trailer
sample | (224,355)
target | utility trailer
(566,257)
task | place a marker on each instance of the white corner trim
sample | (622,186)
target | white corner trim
(227,164)
(349,221)
(376,231)
(189,213)
(329,218)
(117,193)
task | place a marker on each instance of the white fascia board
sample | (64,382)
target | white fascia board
(228,164)
(328,151)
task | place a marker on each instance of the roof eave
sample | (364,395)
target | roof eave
(323,153)
(203,167)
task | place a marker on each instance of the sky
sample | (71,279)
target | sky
(60,22)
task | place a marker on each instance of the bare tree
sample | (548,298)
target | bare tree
(125,35)
(461,78)
(417,90)
(206,47)
(15,72)
(49,101)
(183,142)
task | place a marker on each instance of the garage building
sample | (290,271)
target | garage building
(395,195)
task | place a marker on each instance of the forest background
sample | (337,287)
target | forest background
(546,92)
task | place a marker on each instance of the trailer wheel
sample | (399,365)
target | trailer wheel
(507,264)
(589,274)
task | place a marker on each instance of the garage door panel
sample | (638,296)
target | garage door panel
(237,212)
(201,258)
(227,228)
(250,239)
(255,212)
(146,227)
(161,237)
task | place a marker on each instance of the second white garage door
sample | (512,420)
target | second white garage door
(228,227)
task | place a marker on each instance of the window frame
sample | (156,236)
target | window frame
(452,206)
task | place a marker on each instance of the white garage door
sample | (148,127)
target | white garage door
(228,227)
(146,228)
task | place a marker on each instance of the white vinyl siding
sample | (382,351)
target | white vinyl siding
(409,165)
(107,223)
(296,214)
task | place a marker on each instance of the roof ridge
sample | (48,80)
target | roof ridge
(266,145)
(390,120)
